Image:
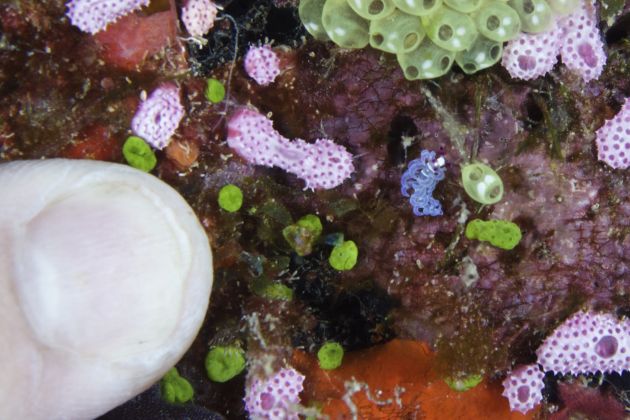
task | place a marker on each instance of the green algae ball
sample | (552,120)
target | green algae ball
(215,91)
(482,183)
(481,55)
(343,25)
(330,355)
(397,33)
(418,7)
(224,363)
(451,30)
(428,61)
(230,198)
(175,389)
(465,383)
(139,154)
(344,256)
(310,12)
(500,233)
(498,21)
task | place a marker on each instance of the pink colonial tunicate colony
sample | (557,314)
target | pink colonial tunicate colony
(523,388)
(94,15)
(158,116)
(199,16)
(582,49)
(275,398)
(529,56)
(322,165)
(587,343)
(613,139)
(262,64)
(575,37)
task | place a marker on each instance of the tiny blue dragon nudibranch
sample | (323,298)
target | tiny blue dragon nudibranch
(421,176)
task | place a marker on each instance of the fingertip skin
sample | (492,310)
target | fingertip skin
(105,279)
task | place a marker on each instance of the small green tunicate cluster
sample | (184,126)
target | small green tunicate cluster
(500,233)
(303,234)
(428,36)
(224,363)
(330,355)
(175,389)
(464,383)
(482,183)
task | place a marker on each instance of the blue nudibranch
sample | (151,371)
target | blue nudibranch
(422,176)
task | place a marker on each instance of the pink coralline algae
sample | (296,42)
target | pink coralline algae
(275,398)
(587,343)
(94,15)
(613,139)
(523,388)
(323,164)
(158,116)
(199,16)
(262,64)
(575,37)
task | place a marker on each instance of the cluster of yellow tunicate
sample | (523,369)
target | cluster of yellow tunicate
(428,36)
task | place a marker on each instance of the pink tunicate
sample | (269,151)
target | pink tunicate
(587,343)
(323,164)
(158,116)
(94,15)
(262,64)
(523,388)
